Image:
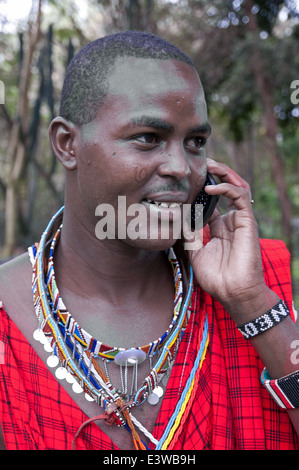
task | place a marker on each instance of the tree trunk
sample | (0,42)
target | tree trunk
(17,145)
(266,91)
(11,195)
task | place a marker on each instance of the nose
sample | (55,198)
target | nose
(174,163)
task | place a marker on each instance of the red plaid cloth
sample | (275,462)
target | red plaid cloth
(230,409)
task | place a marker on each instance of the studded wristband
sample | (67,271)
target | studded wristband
(264,322)
(285,391)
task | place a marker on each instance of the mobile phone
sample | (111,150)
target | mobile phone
(204,204)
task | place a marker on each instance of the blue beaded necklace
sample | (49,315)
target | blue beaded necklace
(77,361)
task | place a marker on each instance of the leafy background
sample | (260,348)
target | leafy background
(246,53)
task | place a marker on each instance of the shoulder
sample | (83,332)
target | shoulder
(15,277)
(15,288)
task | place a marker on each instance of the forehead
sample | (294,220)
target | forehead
(128,71)
(141,81)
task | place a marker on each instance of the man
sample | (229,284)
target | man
(133,123)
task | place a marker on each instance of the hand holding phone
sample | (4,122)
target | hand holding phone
(228,266)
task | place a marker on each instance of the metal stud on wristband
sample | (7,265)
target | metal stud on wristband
(285,391)
(264,322)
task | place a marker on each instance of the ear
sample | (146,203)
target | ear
(62,135)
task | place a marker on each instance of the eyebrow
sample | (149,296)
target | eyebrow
(158,123)
(149,121)
(204,128)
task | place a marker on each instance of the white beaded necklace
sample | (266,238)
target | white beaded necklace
(59,342)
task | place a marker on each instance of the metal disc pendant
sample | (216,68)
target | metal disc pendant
(48,347)
(70,378)
(61,373)
(38,335)
(130,357)
(52,361)
(159,391)
(153,398)
(88,397)
(77,387)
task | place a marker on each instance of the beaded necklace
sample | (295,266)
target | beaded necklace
(75,351)
(96,347)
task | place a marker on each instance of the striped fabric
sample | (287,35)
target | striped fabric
(225,404)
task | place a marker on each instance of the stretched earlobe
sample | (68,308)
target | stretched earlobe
(62,135)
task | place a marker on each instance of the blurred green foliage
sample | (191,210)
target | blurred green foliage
(216,36)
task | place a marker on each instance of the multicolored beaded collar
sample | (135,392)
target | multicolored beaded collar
(69,325)
(76,351)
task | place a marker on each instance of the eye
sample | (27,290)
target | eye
(146,138)
(196,142)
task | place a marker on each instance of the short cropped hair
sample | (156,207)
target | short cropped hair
(85,85)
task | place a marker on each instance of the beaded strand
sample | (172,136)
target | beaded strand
(78,361)
(87,340)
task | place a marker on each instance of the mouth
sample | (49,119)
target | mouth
(166,201)
(163,204)
(165,211)
(164,218)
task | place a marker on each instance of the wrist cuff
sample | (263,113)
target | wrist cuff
(264,322)
(285,391)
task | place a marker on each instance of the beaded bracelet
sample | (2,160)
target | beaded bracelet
(264,322)
(285,391)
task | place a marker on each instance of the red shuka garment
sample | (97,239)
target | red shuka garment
(230,409)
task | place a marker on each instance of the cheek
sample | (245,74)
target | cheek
(93,177)
(141,173)
(104,179)
(198,176)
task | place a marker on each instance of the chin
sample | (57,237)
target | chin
(152,237)
(151,244)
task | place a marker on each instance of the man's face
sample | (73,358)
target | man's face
(146,143)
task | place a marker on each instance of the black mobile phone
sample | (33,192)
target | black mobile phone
(204,204)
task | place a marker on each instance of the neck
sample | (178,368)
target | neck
(105,268)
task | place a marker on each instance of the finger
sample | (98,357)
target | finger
(238,196)
(226,174)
